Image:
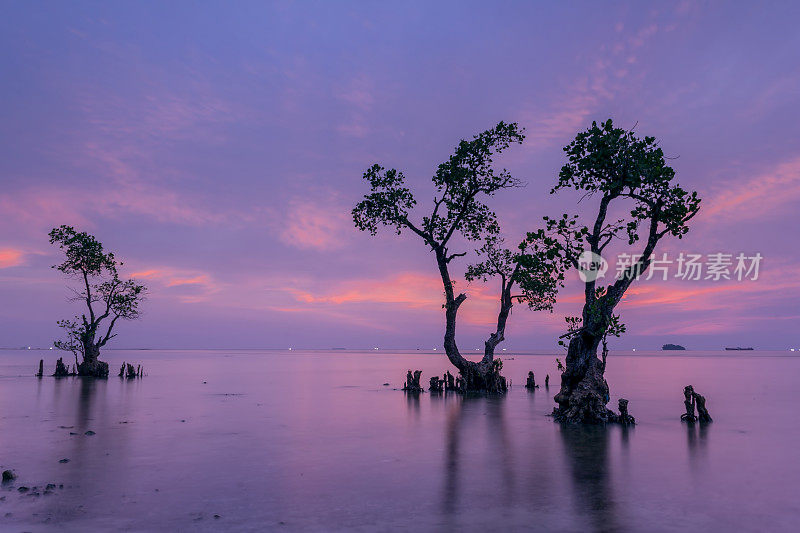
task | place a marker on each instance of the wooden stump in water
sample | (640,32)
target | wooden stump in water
(702,412)
(40,373)
(61,369)
(547,381)
(436,384)
(449,381)
(688,402)
(412,381)
(131,371)
(530,384)
(122,370)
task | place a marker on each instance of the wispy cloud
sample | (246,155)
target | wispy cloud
(607,75)
(757,196)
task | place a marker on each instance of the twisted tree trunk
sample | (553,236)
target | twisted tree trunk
(483,376)
(584,390)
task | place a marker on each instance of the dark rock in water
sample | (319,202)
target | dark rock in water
(9,475)
(624,417)
(23,489)
(72,433)
(216,516)
(672,347)
(89,433)
(50,486)
(385,384)
(64,460)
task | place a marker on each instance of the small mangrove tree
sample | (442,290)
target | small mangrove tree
(106,298)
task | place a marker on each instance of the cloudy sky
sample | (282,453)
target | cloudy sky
(218,148)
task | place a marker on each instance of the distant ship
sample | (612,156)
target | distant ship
(672,347)
(738,348)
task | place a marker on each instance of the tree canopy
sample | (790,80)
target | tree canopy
(617,165)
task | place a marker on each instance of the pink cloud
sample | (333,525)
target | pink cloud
(194,286)
(196,280)
(314,226)
(10,257)
(408,289)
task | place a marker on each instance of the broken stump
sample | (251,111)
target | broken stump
(61,369)
(412,381)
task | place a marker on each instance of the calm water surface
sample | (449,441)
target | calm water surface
(314,441)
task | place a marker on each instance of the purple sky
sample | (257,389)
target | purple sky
(219,150)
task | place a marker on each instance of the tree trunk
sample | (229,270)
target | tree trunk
(584,391)
(479,377)
(91,365)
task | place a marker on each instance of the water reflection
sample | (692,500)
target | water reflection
(697,444)
(463,429)
(586,449)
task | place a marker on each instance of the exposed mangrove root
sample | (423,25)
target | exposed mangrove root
(449,381)
(691,399)
(584,394)
(61,369)
(482,378)
(476,378)
(530,384)
(93,367)
(412,382)
(127,370)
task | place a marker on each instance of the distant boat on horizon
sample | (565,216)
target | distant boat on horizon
(738,348)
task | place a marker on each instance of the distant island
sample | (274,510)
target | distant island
(672,347)
(738,348)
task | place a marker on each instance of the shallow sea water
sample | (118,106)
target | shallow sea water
(313,441)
